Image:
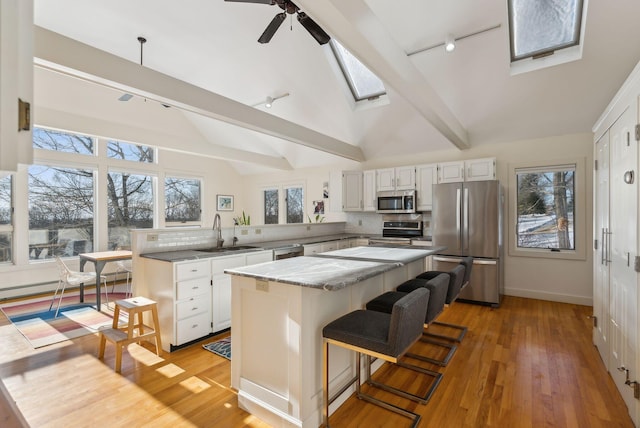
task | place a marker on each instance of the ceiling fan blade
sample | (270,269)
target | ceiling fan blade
(272,27)
(313,28)
(271,2)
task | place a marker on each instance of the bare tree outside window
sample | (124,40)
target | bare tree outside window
(60,211)
(6,220)
(295,205)
(130,152)
(546,208)
(182,200)
(48,139)
(271,206)
(129,206)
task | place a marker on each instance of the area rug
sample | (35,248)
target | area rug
(37,324)
(221,347)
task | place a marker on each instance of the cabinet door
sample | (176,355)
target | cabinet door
(406,178)
(480,169)
(451,172)
(221,290)
(386,179)
(369,190)
(352,190)
(344,243)
(426,176)
(329,246)
(259,257)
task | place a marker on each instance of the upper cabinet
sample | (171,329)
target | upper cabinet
(470,170)
(352,191)
(401,178)
(426,177)
(369,190)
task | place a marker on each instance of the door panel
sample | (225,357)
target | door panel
(481,219)
(623,249)
(447,217)
(601,257)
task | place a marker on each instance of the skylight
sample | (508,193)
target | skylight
(540,28)
(363,83)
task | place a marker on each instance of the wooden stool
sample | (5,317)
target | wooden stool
(122,336)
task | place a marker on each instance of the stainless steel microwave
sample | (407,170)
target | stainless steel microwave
(400,201)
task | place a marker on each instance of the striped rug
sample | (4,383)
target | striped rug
(37,323)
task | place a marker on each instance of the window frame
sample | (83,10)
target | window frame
(164,200)
(282,203)
(8,228)
(579,206)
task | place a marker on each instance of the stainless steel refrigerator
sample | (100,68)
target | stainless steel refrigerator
(467,220)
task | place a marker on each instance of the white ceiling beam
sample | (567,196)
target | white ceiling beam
(62,54)
(357,28)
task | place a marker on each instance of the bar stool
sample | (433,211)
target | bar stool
(122,336)
(437,287)
(458,276)
(379,335)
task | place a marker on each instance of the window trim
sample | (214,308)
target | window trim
(164,200)
(580,210)
(282,188)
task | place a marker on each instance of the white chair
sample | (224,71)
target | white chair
(74,278)
(123,266)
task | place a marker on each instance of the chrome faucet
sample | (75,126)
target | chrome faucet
(217,223)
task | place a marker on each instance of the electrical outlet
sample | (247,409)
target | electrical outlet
(262,285)
(152,237)
(258,231)
(244,232)
(359,222)
(308,227)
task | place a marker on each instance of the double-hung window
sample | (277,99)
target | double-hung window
(290,197)
(182,200)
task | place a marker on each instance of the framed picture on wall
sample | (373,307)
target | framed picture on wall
(224,202)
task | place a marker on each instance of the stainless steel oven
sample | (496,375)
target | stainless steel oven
(288,252)
(399,229)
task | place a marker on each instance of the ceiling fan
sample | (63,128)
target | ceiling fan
(289,8)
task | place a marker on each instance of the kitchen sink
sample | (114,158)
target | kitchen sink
(225,249)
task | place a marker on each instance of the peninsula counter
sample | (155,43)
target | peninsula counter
(278,311)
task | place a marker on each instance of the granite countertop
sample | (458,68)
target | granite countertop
(383,253)
(315,272)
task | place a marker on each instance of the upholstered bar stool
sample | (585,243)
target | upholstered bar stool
(437,287)
(123,336)
(378,335)
(459,278)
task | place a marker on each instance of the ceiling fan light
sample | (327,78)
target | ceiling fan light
(450,43)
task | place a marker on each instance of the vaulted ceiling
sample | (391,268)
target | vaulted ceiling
(436,101)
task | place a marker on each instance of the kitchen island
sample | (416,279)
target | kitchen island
(278,311)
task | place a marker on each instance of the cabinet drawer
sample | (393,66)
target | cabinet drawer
(192,288)
(193,306)
(192,270)
(193,328)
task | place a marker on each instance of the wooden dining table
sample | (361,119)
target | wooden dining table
(99,260)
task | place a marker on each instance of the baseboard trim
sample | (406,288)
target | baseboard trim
(552,297)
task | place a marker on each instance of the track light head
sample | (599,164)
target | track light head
(269,102)
(449,43)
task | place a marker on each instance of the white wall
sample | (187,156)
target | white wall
(548,279)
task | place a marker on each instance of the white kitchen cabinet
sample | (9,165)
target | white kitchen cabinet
(193,296)
(369,190)
(469,170)
(221,284)
(360,242)
(480,169)
(426,176)
(352,191)
(320,247)
(344,243)
(451,172)
(401,178)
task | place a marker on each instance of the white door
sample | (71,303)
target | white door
(623,278)
(600,255)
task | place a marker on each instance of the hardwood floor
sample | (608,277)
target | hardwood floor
(530,363)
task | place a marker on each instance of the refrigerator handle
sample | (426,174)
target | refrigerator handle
(458,214)
(465,214)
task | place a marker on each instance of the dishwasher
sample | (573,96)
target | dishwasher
(288,252)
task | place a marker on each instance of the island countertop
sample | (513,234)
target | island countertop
(345,267)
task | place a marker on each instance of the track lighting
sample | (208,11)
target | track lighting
(269,102)
(449,43)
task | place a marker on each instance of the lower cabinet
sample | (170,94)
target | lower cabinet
(193,296)
(311,249)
